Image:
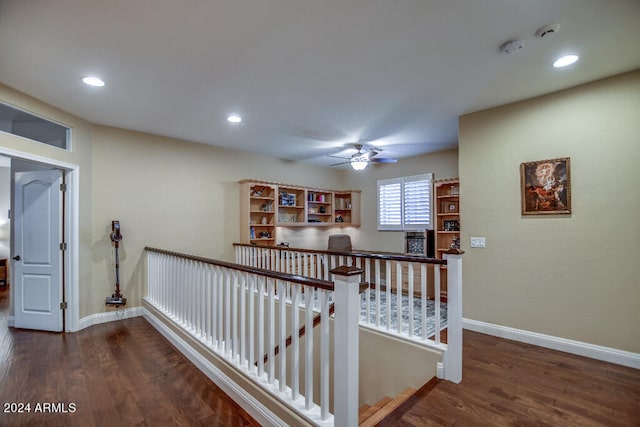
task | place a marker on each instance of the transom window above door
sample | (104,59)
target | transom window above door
(21,123)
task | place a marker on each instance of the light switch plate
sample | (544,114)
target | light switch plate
(478,242)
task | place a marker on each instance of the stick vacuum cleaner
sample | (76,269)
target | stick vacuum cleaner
(116,298)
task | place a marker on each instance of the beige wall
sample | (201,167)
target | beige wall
(172,195)
(574,276)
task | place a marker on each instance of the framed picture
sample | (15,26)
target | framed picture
(546,187)
(449,206)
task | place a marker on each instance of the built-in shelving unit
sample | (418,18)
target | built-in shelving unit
(447,237)
(265,206)
(258,209)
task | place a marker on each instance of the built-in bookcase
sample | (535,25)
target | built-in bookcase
(265,206)
(447,204)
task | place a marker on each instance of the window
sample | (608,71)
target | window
(27,125)
(405,203)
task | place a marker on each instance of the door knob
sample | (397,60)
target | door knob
(17,257)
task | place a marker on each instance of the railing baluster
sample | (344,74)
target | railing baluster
(220,306)
(227,312)
(282,336)
(410,297)
(308,348)
(195,279)
(367,293)
(208,306)
(180,283)
(305,265)
(243,313)
(378,291)
(424,298)
(436,300)
(388,286)
(271,329)
(399,299)
(295,341)
(251,336)
(324,355)
(234,314)
(261,324)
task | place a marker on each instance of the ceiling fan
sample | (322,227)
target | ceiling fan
(364,156)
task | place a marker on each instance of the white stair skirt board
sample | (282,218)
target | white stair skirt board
(109,316)
(247,402)
(606,354)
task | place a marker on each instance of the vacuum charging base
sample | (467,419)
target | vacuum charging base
(117,301)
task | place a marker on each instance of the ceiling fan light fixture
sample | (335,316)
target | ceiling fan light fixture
(359,163)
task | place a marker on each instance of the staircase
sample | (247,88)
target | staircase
(369,416)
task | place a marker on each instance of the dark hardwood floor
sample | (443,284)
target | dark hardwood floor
(115,374)
(507,383)
(125,373)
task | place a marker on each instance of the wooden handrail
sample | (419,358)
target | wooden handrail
(358,254)
(294,278)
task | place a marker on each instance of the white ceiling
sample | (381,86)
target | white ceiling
(307,76)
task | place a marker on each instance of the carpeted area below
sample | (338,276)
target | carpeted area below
(404,319)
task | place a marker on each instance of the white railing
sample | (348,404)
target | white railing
(245,316)
(403,297)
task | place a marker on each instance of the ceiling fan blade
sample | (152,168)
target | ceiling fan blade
(338,157)
(383,160)
(341,163)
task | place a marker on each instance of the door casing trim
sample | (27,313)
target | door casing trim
(72,235)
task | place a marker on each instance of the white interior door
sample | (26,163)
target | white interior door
(37,261)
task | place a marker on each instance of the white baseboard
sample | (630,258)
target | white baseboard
(607,354)
(109,316)
(11,321)
(250,404)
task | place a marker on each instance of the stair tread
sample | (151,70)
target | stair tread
(364,415)
(364,407)
(390,405)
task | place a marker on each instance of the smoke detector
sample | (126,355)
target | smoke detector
(512,46)
(547,30)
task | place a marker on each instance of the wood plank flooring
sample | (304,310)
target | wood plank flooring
(115,374)
(507,383)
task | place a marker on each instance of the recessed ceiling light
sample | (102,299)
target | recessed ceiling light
(93,81)
(565,60)
(234,119)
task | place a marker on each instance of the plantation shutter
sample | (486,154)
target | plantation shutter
(417,202)
(390,204)
(405,203)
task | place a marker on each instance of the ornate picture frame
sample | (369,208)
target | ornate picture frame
(546,187)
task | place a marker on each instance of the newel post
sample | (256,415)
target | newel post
(453,355)
(346,345)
